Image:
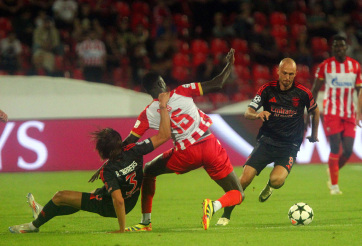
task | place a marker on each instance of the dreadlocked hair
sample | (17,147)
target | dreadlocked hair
(149,80)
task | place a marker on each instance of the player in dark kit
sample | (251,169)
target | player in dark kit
(281,133)
(121,174)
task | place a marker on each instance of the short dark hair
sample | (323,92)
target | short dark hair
(149,80)
(108,143)
(339,38)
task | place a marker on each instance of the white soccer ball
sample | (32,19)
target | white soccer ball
(300,214)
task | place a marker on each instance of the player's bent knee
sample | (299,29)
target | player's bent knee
(58,197)
(277,182)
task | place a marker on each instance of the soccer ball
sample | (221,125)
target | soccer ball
(300,214)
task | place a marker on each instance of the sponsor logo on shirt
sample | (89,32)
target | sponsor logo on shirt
(281,112)
(335,82)
(127,169)
(137,124)
(186,86)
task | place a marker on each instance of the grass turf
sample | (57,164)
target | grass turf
(176,215)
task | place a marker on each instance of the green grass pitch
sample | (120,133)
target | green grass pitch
(176,215)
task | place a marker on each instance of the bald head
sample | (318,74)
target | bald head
(287,71)
(288,62)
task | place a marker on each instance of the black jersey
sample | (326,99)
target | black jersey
(286,123)
(126,173)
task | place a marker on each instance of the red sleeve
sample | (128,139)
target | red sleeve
(320,71)
(141,125)
(189,90)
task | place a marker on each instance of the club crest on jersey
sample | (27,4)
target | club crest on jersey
(295,101)
(168,109)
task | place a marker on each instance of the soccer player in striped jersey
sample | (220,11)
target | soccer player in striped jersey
(341,76)
(194,145)
(281,134)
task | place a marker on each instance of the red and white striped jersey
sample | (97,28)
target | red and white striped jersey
(91,52)
(340,82)
(188,123)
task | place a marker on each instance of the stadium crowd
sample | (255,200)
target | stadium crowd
(117,42)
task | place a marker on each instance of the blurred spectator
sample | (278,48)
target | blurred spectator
(113,52)
(40,18)
(41,5)
(10,8)
(161,57)
(354,49)
(339,15)
(263,47)
(23,27)
(125,36)
(302,53)
(207,70)
(10,51)
(64,12)
(46,45)
(140,63)
(92,54)
(243,24)
(220,30)
(167,29)
(317,23)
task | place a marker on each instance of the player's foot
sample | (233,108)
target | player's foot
(265,193)
(334,190)
(222,221)
(24,228)
(140,227)
(208,212)
(35,207)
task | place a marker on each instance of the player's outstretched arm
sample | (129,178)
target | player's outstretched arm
(315,123)
(3,116)
(119,208)
(164,132)
(251,114)
(218,82)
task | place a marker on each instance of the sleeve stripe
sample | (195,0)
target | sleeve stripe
(200,88)
(133,133)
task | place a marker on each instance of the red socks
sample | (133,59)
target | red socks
(147,193)
(230,198)
(333,167)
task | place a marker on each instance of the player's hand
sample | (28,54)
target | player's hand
(264,115)
(230,56)
(163,98)
(313,139)
(3,116)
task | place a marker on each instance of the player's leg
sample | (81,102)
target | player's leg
(245,179)
(284,159)
(348,136)
(334,141)
(62,203)
(151,170)
(347,146)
